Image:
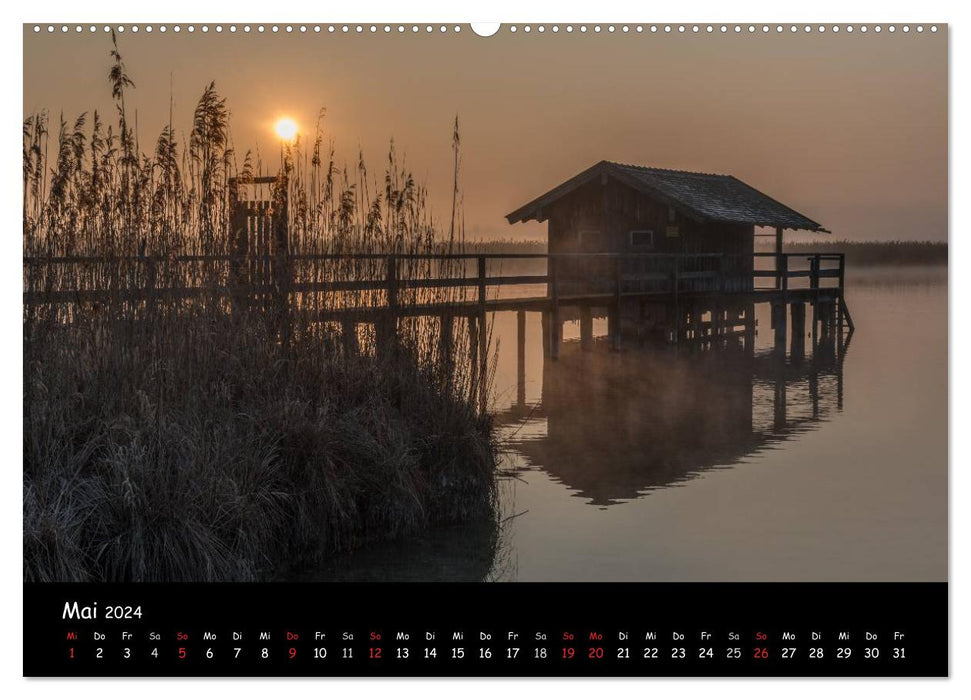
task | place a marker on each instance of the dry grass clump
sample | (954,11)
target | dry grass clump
(186,437)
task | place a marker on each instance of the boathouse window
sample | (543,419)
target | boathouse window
(642,238)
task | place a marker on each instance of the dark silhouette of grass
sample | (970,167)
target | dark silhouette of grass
(184,440)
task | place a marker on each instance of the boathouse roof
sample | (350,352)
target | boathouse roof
(705,197)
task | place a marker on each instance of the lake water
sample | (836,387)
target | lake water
(646,465)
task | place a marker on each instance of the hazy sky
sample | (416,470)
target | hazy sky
(851,130)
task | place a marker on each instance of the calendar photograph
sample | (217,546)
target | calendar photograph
(403,311)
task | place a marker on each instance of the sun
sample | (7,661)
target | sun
(286,128)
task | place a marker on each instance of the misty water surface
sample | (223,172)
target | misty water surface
(644,465)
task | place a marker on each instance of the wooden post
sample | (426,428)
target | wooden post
(750,329)
(545,329)
(586,328)
(521,358)
(798,347)
(840,305)
(614,316)
(556,326)
(675,284)
(779,400)
(482,281)
(779,325)
(814,286)
(815,329)
(826,319)
(778,257)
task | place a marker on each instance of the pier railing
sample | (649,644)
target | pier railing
(396,281)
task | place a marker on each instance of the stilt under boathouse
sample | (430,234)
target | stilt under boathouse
(670,255)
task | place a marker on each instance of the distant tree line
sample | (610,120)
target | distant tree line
(858,253)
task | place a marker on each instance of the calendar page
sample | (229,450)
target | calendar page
(524,349)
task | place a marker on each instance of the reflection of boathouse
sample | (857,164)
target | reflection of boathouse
(617,426)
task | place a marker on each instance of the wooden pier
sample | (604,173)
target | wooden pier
(673,299)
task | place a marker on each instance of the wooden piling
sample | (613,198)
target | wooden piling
(675,305)
(556,325)
(779,325)
(779,402)
(586,328)
(815,329)
(521,358)
(545,330)
(750,329)
(614,314)
(798,319)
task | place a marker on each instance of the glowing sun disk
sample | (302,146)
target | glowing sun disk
(286,129)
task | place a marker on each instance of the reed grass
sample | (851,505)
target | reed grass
(190,438)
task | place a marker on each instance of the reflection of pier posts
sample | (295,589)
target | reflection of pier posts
(779,399)
(814,387)
(521,358)
(839,384)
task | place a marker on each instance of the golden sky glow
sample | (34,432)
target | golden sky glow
(850,130)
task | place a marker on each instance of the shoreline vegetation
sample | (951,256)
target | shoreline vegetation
(186,439)
(858,253)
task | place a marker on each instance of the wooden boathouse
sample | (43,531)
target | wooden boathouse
(677,248)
